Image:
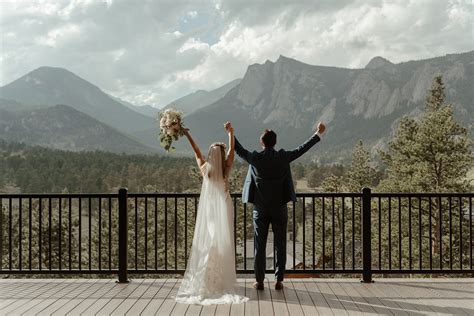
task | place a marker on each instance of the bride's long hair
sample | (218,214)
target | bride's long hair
(216,158)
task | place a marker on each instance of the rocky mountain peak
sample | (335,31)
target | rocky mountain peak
(378,62)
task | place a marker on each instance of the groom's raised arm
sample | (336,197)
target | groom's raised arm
(242,152)
(303,148)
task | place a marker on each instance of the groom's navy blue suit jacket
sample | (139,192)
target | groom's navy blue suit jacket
(269,182)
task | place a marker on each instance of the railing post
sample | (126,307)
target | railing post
(366,236)
(123,236)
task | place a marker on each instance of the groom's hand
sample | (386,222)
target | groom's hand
(320,128)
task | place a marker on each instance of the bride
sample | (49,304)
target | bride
(210,276)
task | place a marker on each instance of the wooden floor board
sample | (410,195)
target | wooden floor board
(299,297)
(160,296)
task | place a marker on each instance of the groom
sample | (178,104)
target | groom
(269,186)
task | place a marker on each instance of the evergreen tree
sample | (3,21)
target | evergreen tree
(431,154)
(361,174)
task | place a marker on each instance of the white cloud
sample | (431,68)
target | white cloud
(137,50)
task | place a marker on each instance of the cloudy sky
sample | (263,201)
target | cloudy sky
(152,52)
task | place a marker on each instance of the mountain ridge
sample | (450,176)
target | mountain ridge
(286,95)
(52,85)
(290,97)
(63,127)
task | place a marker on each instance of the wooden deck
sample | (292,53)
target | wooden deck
(300,297)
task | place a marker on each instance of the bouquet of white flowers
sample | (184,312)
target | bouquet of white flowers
(171,128)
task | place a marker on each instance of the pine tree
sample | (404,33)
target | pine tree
(361,174)
(430,154)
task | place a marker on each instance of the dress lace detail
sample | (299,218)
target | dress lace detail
(210,276)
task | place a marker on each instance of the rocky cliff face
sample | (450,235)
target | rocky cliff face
(290,97)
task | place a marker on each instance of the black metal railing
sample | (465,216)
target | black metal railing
(146,233)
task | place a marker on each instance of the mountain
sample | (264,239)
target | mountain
(289,97)
(63,127)
(146,109)
(201,98)
(48,86)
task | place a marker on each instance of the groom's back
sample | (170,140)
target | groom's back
(269,181)
(270,172)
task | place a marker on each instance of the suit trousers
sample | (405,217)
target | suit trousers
(262,218)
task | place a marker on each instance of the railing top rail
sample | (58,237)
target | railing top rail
(444,194)
(57,195)
(237,194)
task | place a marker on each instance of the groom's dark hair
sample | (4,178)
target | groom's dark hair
(268,138)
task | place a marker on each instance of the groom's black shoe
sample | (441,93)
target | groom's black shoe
(258,286)
(278,285)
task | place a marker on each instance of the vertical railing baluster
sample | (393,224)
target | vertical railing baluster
(313,235)
(409,234)
(294,236)
(59,233)
(166,233)
(20,230)
(304,235)
(100,233)
(70,232)
(450,234)
(50,210)
(389,233)
(323,234)
(343,254)
(1,234)
(333,234)
(195,208)
(471,245)
(136,233)
(186,231)
(30,238)
(90,232)
(80,233)
(430,233)
(440,220)
(123,236)
(110,232)
(420,254)
(175,233)
(366,236)
(40,244)
(399,233)
(10,220)
(146,233)
(460,233)
(353,233)
(156,233)
(380,232)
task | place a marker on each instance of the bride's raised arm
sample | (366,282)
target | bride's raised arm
(197,152)
(230,153)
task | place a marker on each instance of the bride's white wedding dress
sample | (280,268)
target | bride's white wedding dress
(210,276)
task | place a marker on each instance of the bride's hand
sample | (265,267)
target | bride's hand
(228,127)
